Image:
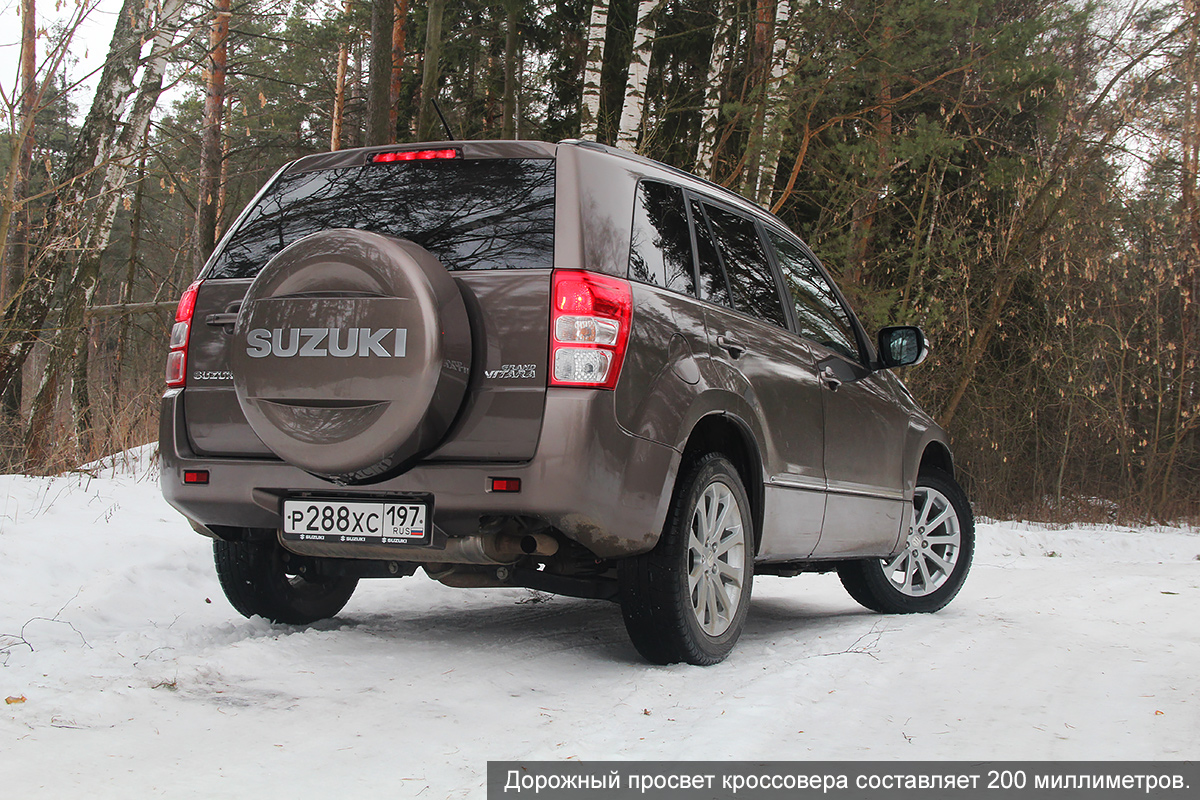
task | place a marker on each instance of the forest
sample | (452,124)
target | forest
(1019,177)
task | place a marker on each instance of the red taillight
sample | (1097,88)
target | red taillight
(589,327)
(187,303)
(180,333)
(412,155)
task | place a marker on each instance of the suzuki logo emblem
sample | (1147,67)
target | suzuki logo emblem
(336,342)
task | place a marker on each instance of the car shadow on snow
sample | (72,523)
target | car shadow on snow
(551,625)
(772,617)
(520,630)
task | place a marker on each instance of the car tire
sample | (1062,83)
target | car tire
(928,573)
(255,578)
(687,599)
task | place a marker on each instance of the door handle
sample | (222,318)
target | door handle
(733,346)
(829,378)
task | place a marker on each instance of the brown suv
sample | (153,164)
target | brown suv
(561,367)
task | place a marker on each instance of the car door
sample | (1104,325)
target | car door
(772,371)
(663,370)
(864,426)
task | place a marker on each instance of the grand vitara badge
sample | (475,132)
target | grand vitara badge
(336,342)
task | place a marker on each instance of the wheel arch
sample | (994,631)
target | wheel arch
(937,456)
(730,436)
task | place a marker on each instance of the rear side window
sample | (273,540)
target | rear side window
(713,287)
(750,278)
(471,214)
(819,314)
(660,252)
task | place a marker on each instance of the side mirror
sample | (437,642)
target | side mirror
(902,346)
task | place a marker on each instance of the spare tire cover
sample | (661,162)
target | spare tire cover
(351,354)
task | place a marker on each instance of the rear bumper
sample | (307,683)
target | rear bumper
(589,479)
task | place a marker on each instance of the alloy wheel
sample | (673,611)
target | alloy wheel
(932,547)
(716,559)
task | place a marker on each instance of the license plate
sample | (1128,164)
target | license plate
(356,521)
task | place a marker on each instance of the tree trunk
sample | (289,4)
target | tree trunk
(339,90)
(759,75)
(131,269)
(354,97)
(379,81)
(519,109)
(222,178)
(81,397)
(922,239)
(1183,420)
(1190,144)
(867,205)
(589,121)
(762,35)
(210,138)
(775,113)
(79,218)
(711,113)
(399,38)
(428,125)
(639,69)
(26,309)
(511,9)
(13,265)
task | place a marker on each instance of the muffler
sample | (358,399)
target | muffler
(498,548)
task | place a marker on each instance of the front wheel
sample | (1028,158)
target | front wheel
(256,578)
(687,599)
(929,571)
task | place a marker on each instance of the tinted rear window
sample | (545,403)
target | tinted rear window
(713,287)
(485,214)
(661,248)
(750,276)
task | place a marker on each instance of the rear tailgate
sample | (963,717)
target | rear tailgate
(215,422)
(485,210)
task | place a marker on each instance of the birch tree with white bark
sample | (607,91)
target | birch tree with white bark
(79,219)
(775,116)
(639,69)
(589,123)
(710,114)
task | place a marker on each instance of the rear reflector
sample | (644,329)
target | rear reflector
(196,476)
(412,155)
(176,367)
(506,484)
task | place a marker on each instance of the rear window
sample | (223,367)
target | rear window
(660,250)
(484,214)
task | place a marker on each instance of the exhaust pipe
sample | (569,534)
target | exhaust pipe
(499,548)
(512,546)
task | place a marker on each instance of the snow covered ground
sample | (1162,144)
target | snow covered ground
(139,680)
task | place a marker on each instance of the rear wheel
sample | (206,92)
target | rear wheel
(256,579)
(687,599)
(929,571)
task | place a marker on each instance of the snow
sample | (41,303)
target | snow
(139,680)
